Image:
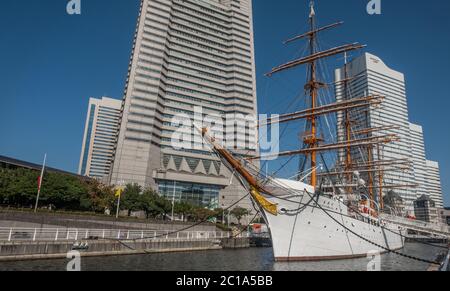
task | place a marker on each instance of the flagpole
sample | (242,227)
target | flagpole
(41,177)
(119,191)
(173,198)
(118,204)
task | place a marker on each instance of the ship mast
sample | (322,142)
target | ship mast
(312,141)
(347,124)
(380,180)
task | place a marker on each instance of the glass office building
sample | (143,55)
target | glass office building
(196,194)
(187,54)
(100,134)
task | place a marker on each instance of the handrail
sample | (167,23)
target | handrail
(9,234)
(419,225)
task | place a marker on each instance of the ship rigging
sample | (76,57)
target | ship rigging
(290,207)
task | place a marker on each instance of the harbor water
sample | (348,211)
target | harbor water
(253,259)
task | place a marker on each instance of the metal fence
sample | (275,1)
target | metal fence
(16,234)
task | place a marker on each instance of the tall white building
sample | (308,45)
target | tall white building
(371,76)
(434,187)
(187,55)
(416,139)
(99,137)
(426,172)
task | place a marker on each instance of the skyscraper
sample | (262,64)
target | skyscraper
(419,160)
(434,183)
(371,76)
(99,137)
(191,59)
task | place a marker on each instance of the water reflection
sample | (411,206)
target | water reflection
(255,259)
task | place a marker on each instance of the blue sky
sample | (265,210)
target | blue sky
(51,63)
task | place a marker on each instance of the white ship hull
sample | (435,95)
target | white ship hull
(310,234)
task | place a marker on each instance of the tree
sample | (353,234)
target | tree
(239,213)
(219,214)
(18,186)
(62,191)
(149,205)
(165,206)
(203,214)
(183,209)
(98,197)
(131,198)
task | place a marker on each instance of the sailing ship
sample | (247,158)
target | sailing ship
(312,221)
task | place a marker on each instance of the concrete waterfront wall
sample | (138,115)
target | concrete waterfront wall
(47,250)
(235,243)
(93,222)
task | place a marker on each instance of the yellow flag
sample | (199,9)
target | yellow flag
(119,192)
(263,202)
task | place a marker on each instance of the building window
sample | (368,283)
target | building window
(88,140)
(196,194)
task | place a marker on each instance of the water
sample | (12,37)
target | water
(254,259)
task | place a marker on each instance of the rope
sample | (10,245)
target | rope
(122,242)
(373,243)
(361,237)
(246,227)
(356,211)
(356,234)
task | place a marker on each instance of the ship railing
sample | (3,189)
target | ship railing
(419,225)
(368,218)
(375,221)
(17,234)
